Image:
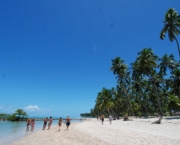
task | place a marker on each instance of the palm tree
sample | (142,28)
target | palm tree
(146,63)
(20,113)
(139,89)
(175,82)
(171,26)
(104,100)
(120,69)
(119,102)
(167,62)
(172,103)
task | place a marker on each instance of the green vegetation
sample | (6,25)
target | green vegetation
(3,116)
(85,115)
(18,115)
(150,86)
(171,26)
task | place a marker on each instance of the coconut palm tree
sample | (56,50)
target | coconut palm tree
(167,62)
(139,90)
(146,62)
(120,69)
(175,82)
(171,26)
(104,100)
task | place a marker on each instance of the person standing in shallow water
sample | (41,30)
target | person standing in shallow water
(60,123)
(68,121)
(50,122)
(45,123)
(28,124)
(102,119)
(32,125)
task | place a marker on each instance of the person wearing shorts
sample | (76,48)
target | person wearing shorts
(102,119)
(68,122)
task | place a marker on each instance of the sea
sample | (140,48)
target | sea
(11,131)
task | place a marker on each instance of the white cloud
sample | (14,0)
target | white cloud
(32,108)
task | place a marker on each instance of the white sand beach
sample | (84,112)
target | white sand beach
(92,132)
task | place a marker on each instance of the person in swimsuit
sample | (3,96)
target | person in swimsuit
(45,123)
(102,119)
(32,125)
(50,122)
(28,124)
(60,123)
(68,121)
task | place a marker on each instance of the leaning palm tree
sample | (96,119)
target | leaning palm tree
(146,62)
(171,26)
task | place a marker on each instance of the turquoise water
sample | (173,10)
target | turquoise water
(10,131)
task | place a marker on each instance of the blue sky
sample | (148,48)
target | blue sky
(55,56)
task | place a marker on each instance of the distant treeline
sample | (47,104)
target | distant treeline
(18,115)
(85,115)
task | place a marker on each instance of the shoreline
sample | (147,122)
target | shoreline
(14,130)
(91,131)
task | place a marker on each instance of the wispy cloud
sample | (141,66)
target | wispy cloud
(32,108)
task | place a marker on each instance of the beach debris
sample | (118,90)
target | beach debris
(158,121)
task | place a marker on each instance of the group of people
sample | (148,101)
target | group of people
(67,121)
(110,119)
(30,124)
(49,121)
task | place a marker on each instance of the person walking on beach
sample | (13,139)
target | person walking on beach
(102,118)
(60,123)
(32,125)
(50,122)
(45,123)
(68,121)
(28,124)
(110,118)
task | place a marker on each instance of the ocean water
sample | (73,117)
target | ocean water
(11,131)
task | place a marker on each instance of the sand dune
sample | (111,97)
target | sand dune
(92,132)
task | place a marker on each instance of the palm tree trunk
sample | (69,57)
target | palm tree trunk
(130,104)
(157,96)
(177,46)
(158,99)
